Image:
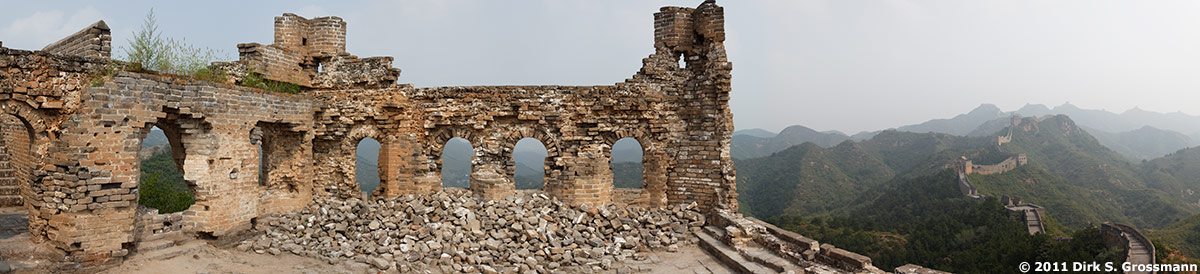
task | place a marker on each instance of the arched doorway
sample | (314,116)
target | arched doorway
(161,184)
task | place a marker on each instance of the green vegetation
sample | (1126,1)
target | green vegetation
(1079,181)
(256,80)
(810,180)
(926,221)
(807,179)
(162,185)
(1073,205)
(149,51)
(1183,236)
(1096,173)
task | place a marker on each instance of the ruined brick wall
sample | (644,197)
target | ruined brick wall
(680,115)
(214,125)
(702,169)
(39,91)
(312,53)
(81,167)
(274,63)
(93,41)
(319,37)
(84,171)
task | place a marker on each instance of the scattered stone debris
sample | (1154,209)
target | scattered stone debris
(453,231)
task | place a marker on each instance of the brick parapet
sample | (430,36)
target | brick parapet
(94,40)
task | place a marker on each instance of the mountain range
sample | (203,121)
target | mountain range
(1136,134)
(1070,173)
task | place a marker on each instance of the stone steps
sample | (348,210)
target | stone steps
(160,241)
(6,190)
(751,261)
(164,249)
(10,200)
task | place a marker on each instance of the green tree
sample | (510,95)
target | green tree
(162,185)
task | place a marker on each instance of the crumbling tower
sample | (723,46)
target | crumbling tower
(312,53)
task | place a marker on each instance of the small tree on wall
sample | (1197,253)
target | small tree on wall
(149,51)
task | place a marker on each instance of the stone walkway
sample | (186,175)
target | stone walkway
(13,222)
(201,258)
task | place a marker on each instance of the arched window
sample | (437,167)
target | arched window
(456,163)
(627,163)
(529,164)
(366,165)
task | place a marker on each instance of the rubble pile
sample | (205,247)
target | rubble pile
(453,231)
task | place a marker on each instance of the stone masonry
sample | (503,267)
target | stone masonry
(92,41)
(72,134)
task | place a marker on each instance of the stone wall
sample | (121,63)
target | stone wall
(791,246)
(210,127)
(1010,163)
(1138,248)
(81,167)
(680,115)
(93,41)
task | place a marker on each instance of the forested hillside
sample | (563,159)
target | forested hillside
(926,221)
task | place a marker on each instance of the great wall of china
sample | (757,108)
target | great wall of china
(1138,248)
(73,131)
(69,152)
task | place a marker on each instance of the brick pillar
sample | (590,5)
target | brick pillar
(588,179)
(398,169)
(654,176)
(489,178)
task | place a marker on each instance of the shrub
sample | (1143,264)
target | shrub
(149,52)
(256,80)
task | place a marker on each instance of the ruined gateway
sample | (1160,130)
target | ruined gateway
(72,146)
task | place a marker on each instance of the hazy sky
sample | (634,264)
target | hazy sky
(831,65)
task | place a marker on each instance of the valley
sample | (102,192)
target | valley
(840,193)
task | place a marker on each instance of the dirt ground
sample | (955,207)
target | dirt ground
(201,258)
(19,253)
